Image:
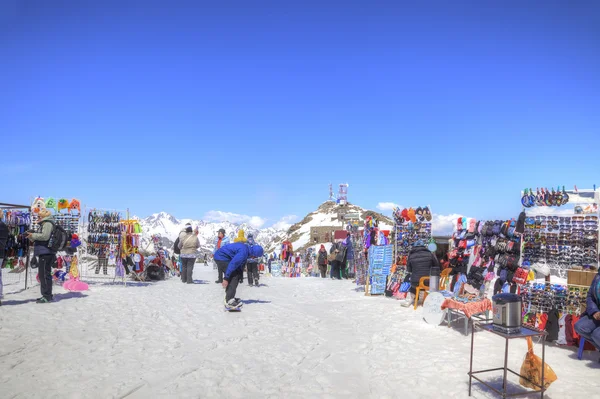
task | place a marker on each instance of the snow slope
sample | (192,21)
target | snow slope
(295,338)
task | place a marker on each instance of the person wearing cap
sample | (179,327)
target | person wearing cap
(188,245)
(220,241)
(419,264)
(235,256)
(3,241)
(45,256)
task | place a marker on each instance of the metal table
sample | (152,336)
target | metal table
(525,332)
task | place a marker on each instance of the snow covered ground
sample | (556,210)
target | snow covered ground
(295,338)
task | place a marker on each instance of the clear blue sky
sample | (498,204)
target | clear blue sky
(253,107)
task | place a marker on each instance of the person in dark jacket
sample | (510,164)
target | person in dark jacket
(233,257)
(3,240)
(252,264)
(348,265)
(419,264)
(45,256)
(322,261)
(340,255)
(588,325)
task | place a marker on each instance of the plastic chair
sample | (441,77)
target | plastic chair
(445,278)
(422,286)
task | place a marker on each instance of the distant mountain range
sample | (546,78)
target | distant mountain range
(327,215)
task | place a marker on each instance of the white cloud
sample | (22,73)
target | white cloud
(220,216)
(285,222)
(444,224)
(388,206)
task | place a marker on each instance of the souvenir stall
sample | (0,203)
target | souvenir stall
(380,262)
(103,245)
(287,258)
(560,241)
(15,266)
(371,237)
(67,215)
(131,259)
(360,270)
(410,225)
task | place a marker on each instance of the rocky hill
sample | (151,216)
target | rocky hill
(328,214)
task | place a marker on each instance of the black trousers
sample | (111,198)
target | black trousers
(252,269)
(323,270)
(45,263)
(222,268)
(335,269)
(187,270)
(234,280)
(102,263)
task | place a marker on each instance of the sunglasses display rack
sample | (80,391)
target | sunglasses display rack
(69,220)
(410,225)
(557,240)
(544,297)
(16,252)
(103,236)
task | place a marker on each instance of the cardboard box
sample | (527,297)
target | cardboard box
(574,277)
(589,277)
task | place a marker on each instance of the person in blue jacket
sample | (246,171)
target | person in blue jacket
(589,324)
(236,255)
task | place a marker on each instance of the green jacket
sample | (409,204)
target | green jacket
(41,239)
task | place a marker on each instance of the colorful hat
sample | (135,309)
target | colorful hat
(38,205)
(51,204)
(63,204)
(75,205)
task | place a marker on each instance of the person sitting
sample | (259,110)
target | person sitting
(588,325)
(419,264)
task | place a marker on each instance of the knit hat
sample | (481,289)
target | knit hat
(221,231)
(322,246)
(63,204)
(75,205)
(38,205)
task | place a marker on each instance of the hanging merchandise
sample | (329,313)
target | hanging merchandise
(544,197)
(104,237)
(130,242)
(557,241)
(17,245)
(410,226)
(380,262)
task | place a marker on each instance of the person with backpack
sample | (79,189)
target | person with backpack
(419,264)
(339,251)
(3,240)
(188,245)
(233,257)
(322,261)
(220,242)
(44,253)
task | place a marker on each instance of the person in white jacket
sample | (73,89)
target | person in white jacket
(188,244)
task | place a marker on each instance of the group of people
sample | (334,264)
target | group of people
(340,259)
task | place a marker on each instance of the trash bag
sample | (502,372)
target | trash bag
(532,370)
(155,273)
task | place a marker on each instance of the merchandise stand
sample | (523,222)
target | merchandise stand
(102,233)
(66,261)
(16,260)
(568,234)
(130,243)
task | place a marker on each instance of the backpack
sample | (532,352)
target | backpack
(176,248)
(59,239)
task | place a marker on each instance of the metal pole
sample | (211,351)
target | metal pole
(471,361)
(543,363)
(505,369)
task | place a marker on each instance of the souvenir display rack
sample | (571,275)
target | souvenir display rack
(561,237)
(380,262)
(103,232)
(68,261)
(131,231)
(360,261)
(15,267)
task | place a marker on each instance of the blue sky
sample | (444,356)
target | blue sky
(253,108)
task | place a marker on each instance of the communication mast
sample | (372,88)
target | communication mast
(343,194)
